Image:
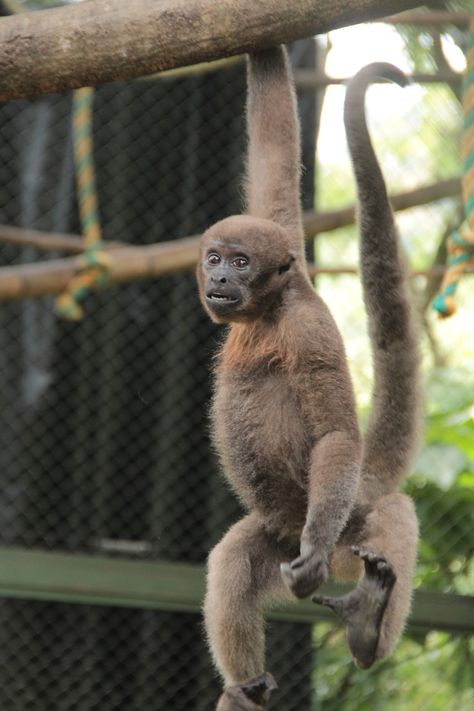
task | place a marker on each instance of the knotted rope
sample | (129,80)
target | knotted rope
(461,242)
(94,261)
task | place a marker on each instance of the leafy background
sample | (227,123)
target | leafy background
(418,143)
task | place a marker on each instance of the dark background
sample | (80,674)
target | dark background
(104,444)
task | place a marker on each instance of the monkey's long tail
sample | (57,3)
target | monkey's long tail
(392,430)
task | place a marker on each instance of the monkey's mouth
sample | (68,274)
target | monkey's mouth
(216,297)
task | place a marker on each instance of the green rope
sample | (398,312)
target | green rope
(461,242)
(94,262)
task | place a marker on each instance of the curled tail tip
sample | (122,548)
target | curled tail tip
(359,83)
(354,104)
(379,70)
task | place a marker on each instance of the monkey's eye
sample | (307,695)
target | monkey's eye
(213,259)
(240,262)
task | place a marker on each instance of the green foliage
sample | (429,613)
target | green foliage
(434,672)
(41,4)
(443,484)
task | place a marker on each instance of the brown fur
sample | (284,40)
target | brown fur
(389,441)
(283,414)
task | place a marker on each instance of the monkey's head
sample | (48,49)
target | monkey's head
(245,263)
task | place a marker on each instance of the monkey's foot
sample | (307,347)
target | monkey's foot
(363,608)
(251,695)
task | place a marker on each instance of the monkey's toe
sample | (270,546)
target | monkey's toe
(376,566)
(336,604)
(386,574)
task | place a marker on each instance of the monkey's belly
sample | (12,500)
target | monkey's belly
(264,447)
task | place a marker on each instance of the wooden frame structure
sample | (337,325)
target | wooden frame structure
(114,40)
(118,41)
(130,263)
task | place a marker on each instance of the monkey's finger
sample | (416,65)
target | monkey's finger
(363,553)
(370,558)
(297,563)
(294,565)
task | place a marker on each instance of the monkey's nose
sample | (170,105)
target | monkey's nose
(216,279)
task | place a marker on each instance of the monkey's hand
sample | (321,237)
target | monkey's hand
(251,695)
(307,572)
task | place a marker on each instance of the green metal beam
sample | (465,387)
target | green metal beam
(97,580)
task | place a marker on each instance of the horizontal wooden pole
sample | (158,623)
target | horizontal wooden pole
(314,222)
(431,17)
(303,78)
(325,222)
(309,79)
(126,264)
(107,40)
(99,580)
(130,263)
(46,241)
(436,271)
(74,244)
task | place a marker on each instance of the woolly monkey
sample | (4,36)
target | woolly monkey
(320,500)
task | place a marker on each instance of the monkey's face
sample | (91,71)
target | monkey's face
(244,266)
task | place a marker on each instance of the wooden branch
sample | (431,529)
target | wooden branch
(308,79)
(107,40)
(315,222)
(337,271)
(46,241)
(126,264)
(195,70)
(326,221)
(430,17)
(131,263)
(303,78)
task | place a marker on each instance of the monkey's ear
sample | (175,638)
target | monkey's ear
(286,267)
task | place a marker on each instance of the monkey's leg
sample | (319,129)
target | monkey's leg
(243,572)
(376,610)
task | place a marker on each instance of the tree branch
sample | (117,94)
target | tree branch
(47,241)
(130,263)
(309,79)
(314,222)
(107,40)
(431,17)
(326,221)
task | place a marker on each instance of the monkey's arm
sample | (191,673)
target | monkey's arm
(333,479)
(333,476)
(273,159)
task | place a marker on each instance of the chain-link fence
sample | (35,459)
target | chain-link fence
(104,442)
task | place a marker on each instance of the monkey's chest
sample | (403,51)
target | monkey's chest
(262,440)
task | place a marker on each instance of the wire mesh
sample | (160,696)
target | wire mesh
(104,442)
